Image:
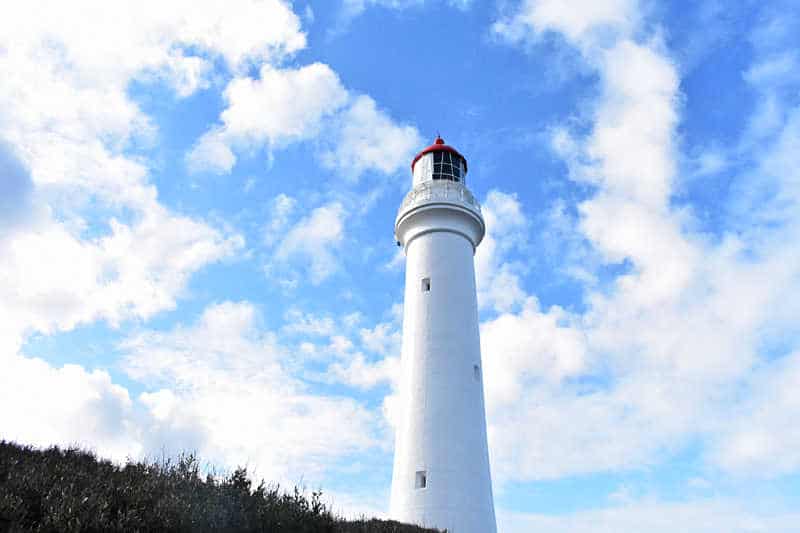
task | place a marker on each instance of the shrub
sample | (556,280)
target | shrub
(72,490)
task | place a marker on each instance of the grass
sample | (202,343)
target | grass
(72,490)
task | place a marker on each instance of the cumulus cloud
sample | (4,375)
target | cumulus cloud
(226,379)
(221,386)
(759,441)
(303,247)
(498,280)
(50,107)
(383,339)
(370,360)
(134,271)
(279,107)
(69,117)
(313,240)
(290,105)
(66,406)
(662,351)
(585,23)
(364,374)
(521,349)
(353,8)
(366,138)
(102,246)
(306,323)
(281,209)
(664,354)
(654,516)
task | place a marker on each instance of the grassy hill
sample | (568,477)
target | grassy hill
(72,490)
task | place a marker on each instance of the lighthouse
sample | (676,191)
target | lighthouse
(441,475)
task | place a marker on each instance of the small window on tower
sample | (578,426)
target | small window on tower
(421,479)
(476,371)
(426,284)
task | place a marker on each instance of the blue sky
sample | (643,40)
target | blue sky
(196,250)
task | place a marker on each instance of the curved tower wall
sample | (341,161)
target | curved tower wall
(441,474)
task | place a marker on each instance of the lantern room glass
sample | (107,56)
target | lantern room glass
(447,166)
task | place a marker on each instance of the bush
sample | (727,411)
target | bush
(72,490)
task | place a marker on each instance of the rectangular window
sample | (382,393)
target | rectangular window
(421,480)
(426,284)
(476,371)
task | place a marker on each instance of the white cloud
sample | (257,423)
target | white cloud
(314,241)
(709,162)
(211,153)
(353,8)
(340,346)
(383,339)
(628,155)
(147,32)
(280,107)
(521,349)
(221,387)
(226,380)
(281,209)
(50,105)
(363,358)
(308,324)
(652,516)
(67,406)
(498,280)
(281,103)
(353,368)
(585,23)
(759,441)
(134,271)
(363,374)
(291,105)
(68,114)
(661,355)
(366,138)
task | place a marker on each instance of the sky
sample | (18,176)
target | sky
(197,203)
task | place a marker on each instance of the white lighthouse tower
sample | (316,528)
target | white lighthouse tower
(441,472)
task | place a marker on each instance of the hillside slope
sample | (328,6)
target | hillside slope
(72,490)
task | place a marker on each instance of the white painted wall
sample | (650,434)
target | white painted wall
(423,169)
(442,428)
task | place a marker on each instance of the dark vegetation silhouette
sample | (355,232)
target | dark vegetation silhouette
(72,490)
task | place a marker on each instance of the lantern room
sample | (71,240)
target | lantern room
(439,162)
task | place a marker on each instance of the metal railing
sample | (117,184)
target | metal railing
(440,190)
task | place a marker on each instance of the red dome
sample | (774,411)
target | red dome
(438,146)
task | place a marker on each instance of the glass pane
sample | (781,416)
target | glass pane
(437,167)
(437,157)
